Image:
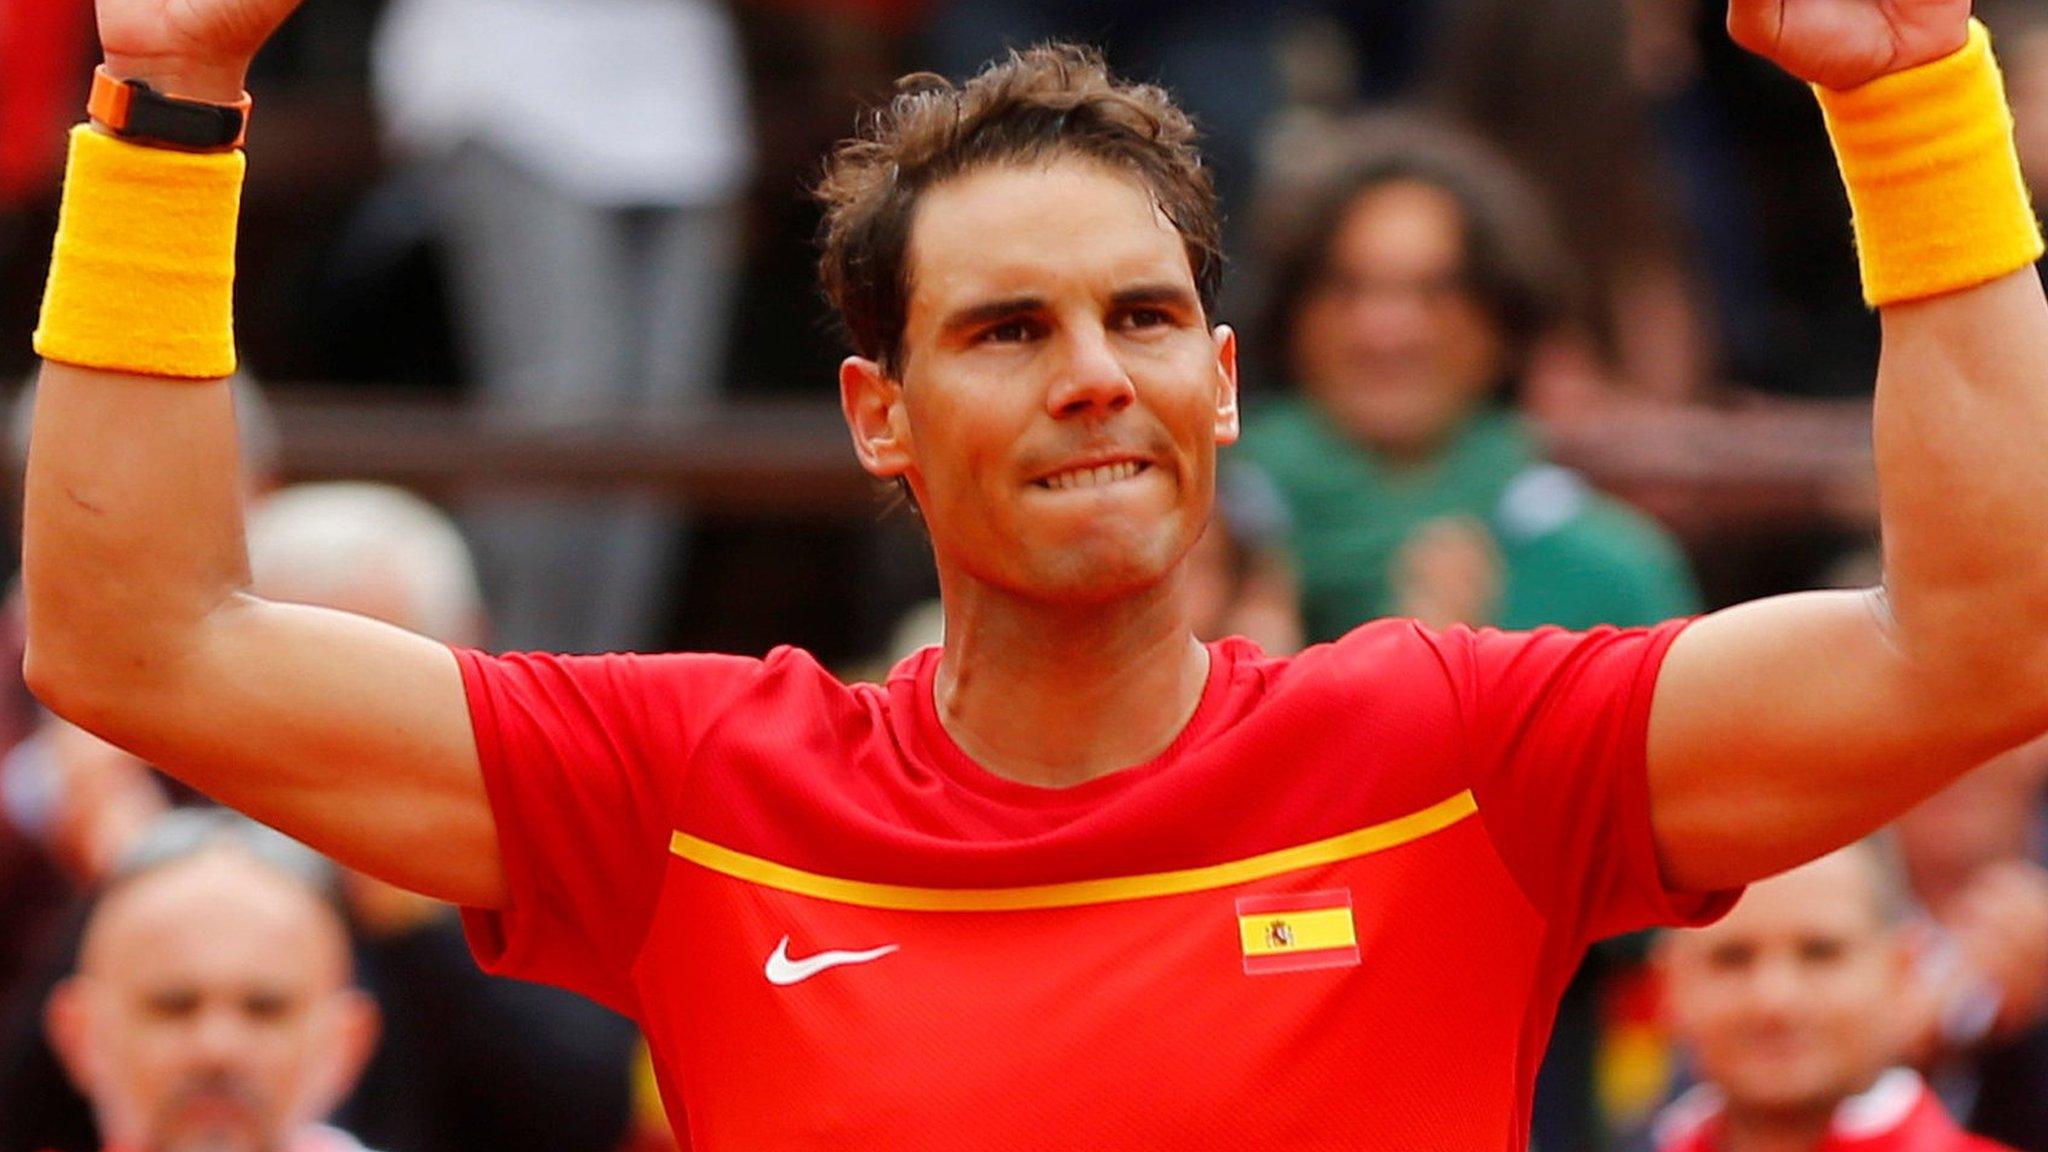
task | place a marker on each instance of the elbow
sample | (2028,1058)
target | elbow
(47,675)
(90,669)
(88,685)
(1997,694)
(1984,668)
(63,683)
(64,655)
(91,694)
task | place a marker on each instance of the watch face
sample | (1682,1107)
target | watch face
(154,116)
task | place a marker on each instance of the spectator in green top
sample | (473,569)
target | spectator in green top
(1415,283)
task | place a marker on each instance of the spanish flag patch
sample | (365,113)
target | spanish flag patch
(1296,931)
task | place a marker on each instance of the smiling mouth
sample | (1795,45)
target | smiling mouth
(1096,477)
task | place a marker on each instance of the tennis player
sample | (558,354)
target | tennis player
(1072,878)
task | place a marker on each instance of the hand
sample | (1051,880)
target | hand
(1448,573)
(199,49)
(1842,44)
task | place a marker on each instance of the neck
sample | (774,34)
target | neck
(1775,1130)
(1057,695)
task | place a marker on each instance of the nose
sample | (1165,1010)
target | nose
(1092,381)
(219,1038)
(1389,317)
(1774,984)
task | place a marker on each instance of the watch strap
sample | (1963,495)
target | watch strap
(133,110)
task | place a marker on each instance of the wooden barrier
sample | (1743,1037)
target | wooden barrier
(1705,471)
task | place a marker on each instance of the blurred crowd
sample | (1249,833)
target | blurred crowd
(1455,228)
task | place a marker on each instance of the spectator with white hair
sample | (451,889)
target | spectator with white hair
(212,1007)
(372,549)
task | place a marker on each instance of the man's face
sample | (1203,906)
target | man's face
(1061,395)
(210,1013)
(1785,1003)
(1390,341)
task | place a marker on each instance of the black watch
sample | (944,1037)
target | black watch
(133,110)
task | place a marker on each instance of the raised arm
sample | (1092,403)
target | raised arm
(346,733)
(1786,727)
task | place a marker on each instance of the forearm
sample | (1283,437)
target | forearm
(132,522)
(1961,420)
(1947,243)
(132,530)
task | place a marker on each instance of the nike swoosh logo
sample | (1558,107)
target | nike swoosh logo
(782,971)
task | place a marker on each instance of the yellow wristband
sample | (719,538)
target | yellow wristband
(142,276)
(1933,177)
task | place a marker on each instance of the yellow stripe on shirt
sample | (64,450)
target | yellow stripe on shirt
(1349,845)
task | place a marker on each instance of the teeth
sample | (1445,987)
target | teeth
(1093,477)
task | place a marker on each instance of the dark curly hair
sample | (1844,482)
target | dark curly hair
(1516,262)
(1039,104)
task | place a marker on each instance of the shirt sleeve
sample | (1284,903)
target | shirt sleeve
(1556,739)
(582,757)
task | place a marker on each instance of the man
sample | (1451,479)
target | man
(212,1009)
(1072,877)
(1787,1009)
(1417,287)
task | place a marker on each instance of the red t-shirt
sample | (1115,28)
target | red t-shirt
(1336,913)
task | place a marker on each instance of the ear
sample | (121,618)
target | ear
(1912,943)
(1226,384)
(348,1028)
(67,1021)
(872,402)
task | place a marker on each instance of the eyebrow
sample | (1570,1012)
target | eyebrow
(991,312)
(1162,293)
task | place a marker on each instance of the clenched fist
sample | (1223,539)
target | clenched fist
(1841,44)
(195,48)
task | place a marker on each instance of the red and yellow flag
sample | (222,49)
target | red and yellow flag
(1295,931)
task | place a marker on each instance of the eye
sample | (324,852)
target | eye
(1730,956)
(266,1006)
(1147,318)
(172,1003)
(1010,332)
(1822,950)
